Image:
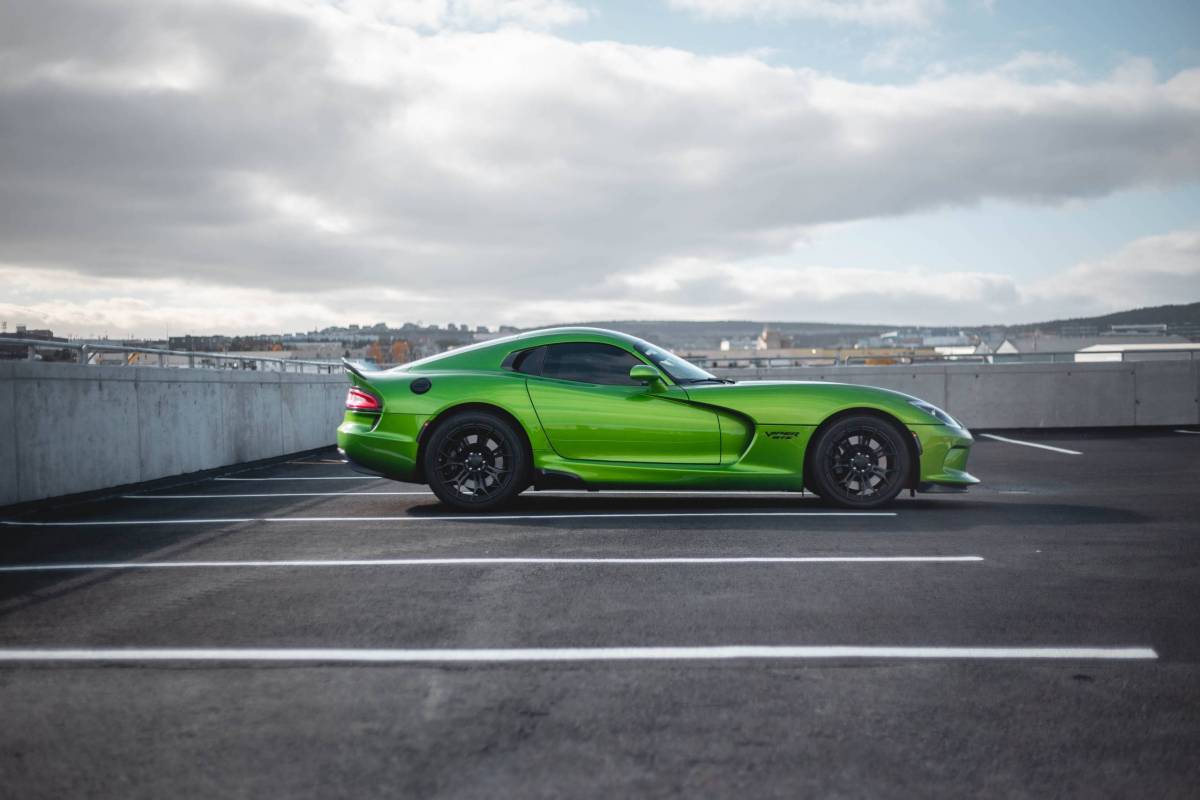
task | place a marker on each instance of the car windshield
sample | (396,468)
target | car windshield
(681,371)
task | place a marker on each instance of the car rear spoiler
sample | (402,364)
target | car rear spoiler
(357,372)
(352,368)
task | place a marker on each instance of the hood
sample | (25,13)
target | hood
(803,402)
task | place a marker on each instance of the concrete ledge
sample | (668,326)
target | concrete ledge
(1062,395)
(67,429)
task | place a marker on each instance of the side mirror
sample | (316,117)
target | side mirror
(644,373)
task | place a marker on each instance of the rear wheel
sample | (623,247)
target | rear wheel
(476,461)
(860,461)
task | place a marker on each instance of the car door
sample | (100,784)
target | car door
(592,410)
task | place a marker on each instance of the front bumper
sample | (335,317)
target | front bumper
(944,453)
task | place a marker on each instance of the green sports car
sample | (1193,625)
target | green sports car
(594,409)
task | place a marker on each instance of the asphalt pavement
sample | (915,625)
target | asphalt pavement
(301,630)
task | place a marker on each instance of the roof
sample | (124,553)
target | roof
(1100,348)
(483,355)
(1051,343)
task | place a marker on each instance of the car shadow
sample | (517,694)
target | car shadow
(958,513)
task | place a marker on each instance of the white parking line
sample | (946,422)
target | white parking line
(1032,444)
(550,654)
(465,518)
(271,494)
(1194,433)
(310,478)
(614,493)
(688,492)
(461,562)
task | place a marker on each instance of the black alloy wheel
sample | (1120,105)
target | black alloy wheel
(860,462)
(476,461)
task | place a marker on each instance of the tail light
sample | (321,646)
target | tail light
(360,400)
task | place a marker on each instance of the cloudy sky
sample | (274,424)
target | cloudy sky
(277,165)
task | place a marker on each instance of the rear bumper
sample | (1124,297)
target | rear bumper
(944,454)
(386,446)
(359,468)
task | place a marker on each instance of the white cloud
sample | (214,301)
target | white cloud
(294,208)
(783,289)
(72,303)
(1150,271)
(867,12)
(439,14)
(896,52)
(1153,270)
(329,157)
(1031,61)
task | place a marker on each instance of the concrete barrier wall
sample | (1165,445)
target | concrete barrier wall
(66,428)
(1030,395)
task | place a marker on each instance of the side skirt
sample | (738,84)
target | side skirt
(941,488)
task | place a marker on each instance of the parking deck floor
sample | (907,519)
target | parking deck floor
(301,630)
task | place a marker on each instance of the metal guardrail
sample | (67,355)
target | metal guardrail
(910,359)
(87,355)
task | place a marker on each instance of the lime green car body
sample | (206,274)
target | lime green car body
(665,434)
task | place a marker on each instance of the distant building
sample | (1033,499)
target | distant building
(226,344)
(1014,347)
(199,344)
(1049,343)
(912,338)
(769,340)
(20,351)
(957,350)
(991,340)
(1136,352)
(1137,330)
(37,333)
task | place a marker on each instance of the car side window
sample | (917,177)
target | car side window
(589,362)
(527,361)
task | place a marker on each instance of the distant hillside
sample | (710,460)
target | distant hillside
(1176,316)
(1182,320)
(706,335)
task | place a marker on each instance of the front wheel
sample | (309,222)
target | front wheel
(476,461)
(860,461)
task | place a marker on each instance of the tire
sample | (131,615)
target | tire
(476,461)
(861,461)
